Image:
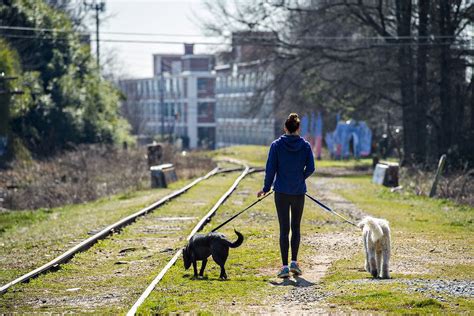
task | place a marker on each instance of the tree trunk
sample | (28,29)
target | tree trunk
(445,74)
(422,95)
(407,82)
(472,101)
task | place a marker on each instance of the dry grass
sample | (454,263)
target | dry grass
(85,174)
(457,185)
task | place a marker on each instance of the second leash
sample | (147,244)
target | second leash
(330,210)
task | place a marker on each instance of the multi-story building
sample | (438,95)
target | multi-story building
(177,101)
(244,97)
(207,106)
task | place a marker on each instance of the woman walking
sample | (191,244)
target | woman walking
(290,161)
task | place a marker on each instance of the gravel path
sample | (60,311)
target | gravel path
(461,288)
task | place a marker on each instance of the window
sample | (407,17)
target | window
(206,112)
(185,87)
(205,87)
(139,89)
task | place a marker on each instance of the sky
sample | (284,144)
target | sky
(134,60)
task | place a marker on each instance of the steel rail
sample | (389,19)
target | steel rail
(204,220)
(87,243)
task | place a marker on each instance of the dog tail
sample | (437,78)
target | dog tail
(238,242)
(374,227)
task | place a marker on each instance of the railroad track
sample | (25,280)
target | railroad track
(87,243)
(204,220)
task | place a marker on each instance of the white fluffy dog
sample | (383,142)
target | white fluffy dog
(376,234)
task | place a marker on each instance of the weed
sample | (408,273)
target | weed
(430,302)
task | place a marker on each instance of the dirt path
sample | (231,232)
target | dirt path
(305,295)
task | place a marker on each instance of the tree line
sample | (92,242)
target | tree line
(404,62)
(57,98)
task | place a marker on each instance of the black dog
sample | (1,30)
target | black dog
(200,247)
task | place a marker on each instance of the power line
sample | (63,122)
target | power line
(223,43)
(24,28)
(263,37)
(110,40)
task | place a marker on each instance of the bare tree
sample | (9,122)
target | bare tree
(367,58)
(133,111)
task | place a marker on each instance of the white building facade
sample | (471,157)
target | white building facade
(178,102)
(244,94)
(244,112)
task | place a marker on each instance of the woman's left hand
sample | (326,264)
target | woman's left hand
(260,193)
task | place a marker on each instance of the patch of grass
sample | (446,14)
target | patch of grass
(460,223)
(346,269)
(355,289)
(346,164)
(12,219)
(430,302)
(460,271)
(385,297)
(407,211)
(252,154)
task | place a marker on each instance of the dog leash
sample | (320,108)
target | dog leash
(330,210)
(230,219)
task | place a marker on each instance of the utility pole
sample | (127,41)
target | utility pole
(98,7)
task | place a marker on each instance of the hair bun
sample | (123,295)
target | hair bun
(293,117)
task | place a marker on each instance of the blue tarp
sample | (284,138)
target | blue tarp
(304,126)
(319,126)
(338,141)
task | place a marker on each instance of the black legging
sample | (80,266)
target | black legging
(283,203)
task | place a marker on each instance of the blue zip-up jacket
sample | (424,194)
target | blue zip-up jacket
(291,159)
